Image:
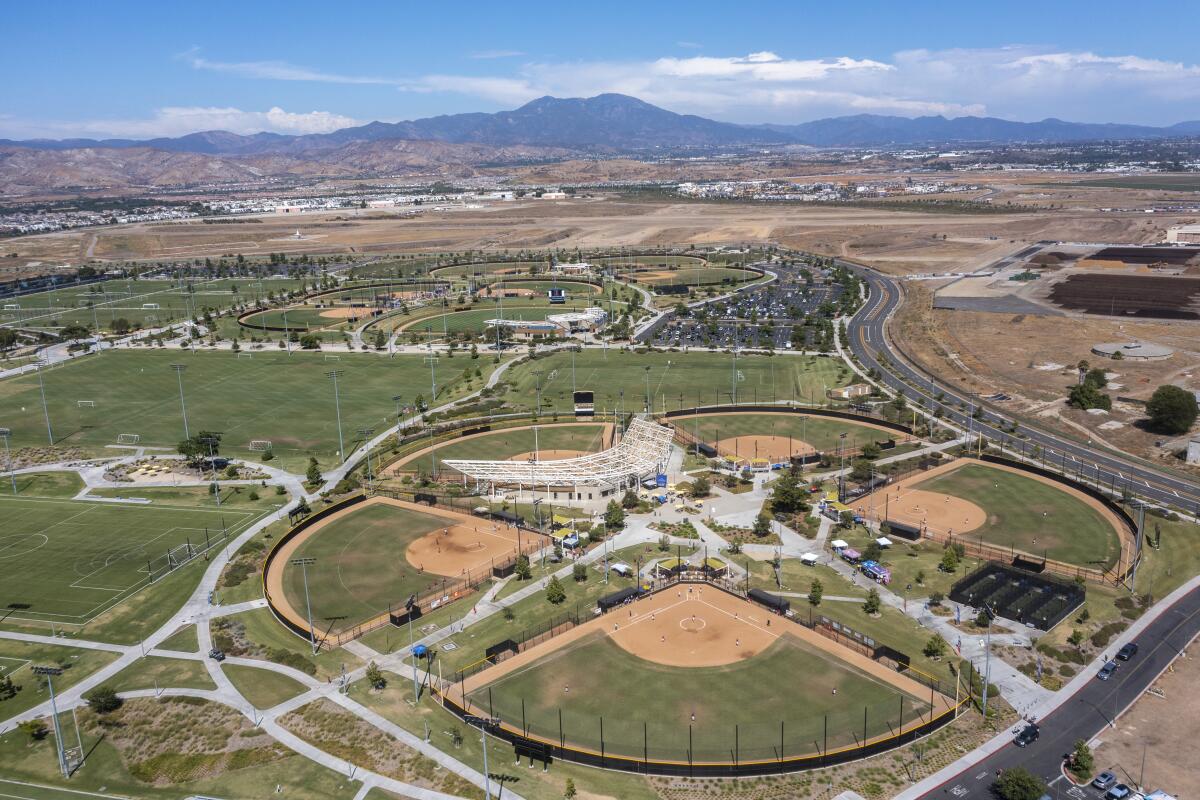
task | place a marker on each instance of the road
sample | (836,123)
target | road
(1086,713)
(868,340)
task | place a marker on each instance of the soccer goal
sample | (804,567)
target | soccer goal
(329,357)
(128,438)
(85,403)
(260,445)
(243,354)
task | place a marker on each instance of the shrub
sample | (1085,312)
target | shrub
(1018,783)
(555,593)
(103,699)
(579,572)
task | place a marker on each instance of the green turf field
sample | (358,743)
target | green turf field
(701,276)
(475,319)
(651,261)
(113,299)
(574,288)
(823,433)
(487,268)
(270,395)
(700,377)
(789,682)
(360,568)
(507,443)
(66,561)
(1031,516)
(303,318)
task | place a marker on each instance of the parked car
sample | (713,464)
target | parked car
(1127,652)
(216,655)
(1118,792)
(1107,670)
(1028,735)
(1104,781)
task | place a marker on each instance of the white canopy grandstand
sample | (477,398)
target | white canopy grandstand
(642,451)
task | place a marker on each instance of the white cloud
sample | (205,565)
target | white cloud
(764,66)
(487,54)
(689,45)
(180,120)
(276,71)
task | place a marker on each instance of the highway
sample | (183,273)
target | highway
(1087,713)
(867,335)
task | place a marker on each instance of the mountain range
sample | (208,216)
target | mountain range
(544,129)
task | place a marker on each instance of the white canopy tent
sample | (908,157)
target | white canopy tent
(642,451)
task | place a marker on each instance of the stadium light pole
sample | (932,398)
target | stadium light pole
(304,564)
(179,368)
(537,380)
(396,398)
(432,361)
(334,374)
(41,364)
(49,673)
(366,434)
(987,664)
(287,335)
(6,434)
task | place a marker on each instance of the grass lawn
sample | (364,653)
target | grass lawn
(184,640)
(534,784)
(651,261)
(697,376)
(390,638)
(360,568)
(822,433)
(1177,559)
(696,276)
(285,399)
(232,497)
(907,559)
(708,700)
(45,484)
(1031,516)
(169,673)
(485,268)
(16,659)
(68,561)
(262,687)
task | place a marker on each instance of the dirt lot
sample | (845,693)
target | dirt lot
(1163,729)
(1033,358)
(892,240)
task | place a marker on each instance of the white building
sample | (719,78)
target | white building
(1183,234)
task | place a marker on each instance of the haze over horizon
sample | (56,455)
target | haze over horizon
(139,71)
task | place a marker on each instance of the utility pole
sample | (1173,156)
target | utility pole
(987,669)
(179,368)
(6,434)
(432,360)
(49,673)
(304,564)
(366,434)
(41,364)
(334,374)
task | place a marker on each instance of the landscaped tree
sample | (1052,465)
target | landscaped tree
(569,791)
(614,516)
(873,604)
(787,496)
(579,572)
(1018,783)
(1082,760)
(522,569)
(815,591)
(103,699)
(701,487)
(949,562)
(314,471)
(630,499)
(35,729)
(935,648)
(375,676)
(202,445)
(762,526)
(1172,409)
(75,332)
(555,593)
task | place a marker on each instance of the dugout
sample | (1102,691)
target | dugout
(611,601)
(903,530)
(780,605)
(670,567)
(500,651)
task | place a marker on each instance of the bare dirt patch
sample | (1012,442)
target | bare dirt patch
(343,313)
(772,448)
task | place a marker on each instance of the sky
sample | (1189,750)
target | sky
(146,69)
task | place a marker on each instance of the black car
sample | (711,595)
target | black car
(1127,652)
(1028,735)
(216,655)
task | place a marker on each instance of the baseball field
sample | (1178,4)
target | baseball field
(777,436)
(373,556)
(1006,508)
(695,672)
(266,395)
(553,440)
(66,561)
(670,380)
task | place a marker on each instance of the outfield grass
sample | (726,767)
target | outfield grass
(67,561)
(699,276)
(360,568)
(1031,516)
(486,268)
(822,433)
(285,399)
(672,379)
(262,687)
(652,261)
(507,443)
(608,681)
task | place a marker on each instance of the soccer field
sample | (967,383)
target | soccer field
(269,395)
(66,561)
(672,380)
